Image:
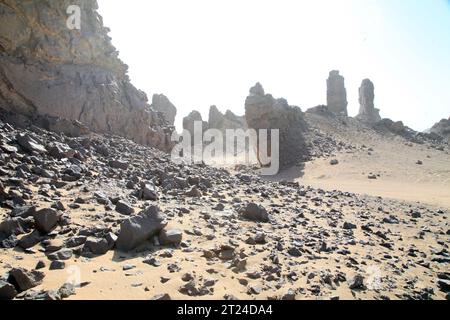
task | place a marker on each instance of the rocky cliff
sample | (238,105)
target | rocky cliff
(49,70)
(442,128)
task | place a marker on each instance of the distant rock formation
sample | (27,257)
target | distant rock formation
(46,69)
(336,94)
(189,121)
(262,111)
(162,104)
(442,128)
(367,111)
(218,120)
(320,110)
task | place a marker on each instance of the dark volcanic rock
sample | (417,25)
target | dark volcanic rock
(254,212)
(171,236)
(7,291)
(135,230)
(24,280)
(46,219)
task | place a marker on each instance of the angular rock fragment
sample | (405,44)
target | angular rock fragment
(136,230)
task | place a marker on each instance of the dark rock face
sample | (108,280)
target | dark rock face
(442,128)
(48,70)
(336,94)
(262,111)
(162,104)
(367,111)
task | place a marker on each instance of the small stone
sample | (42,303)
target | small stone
(161,297)
(348,226)
(63,254)
(57,265)
(357,282)
(118,164)
(66,290)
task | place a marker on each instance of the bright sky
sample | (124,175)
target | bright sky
(205,52)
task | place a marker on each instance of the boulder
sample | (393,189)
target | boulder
(7,291)
(170,236)
(30,240)
(23,279)
(254,212)
(137,229)
(29,144)
(149,192)
(46,219)
(124,207)
(118,164)
(98,246)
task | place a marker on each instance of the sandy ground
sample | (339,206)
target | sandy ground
(425,188)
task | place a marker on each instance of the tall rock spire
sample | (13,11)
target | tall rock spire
(336,94)
(367,111)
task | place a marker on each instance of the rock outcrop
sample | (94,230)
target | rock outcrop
(218,120)
(336,94)
(367,111)
(162,104)
(442,128)
(47,69)
(263,111)
(189,121)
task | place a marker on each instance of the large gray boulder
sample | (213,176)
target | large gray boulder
(336,94)
(135,230)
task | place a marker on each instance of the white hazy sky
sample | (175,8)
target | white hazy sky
(205,52)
